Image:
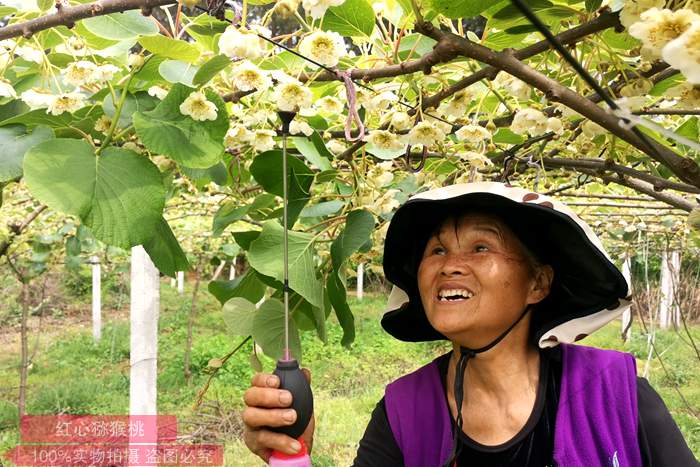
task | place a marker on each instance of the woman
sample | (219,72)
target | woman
(511,278)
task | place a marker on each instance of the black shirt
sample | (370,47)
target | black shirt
(661,442)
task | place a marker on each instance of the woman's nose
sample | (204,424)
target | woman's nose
(455,264)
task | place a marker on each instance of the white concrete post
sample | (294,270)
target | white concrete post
(96,299)
(665,291)
(173,283)
(627,315)
(145,307)
(232,271)
(360,281)
(675,269)
(181,282)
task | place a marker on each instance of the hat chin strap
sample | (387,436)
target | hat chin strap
(466,354)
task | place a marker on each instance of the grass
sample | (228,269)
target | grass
(70,374)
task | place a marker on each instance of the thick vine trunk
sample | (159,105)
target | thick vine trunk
(24,351)
(190,328)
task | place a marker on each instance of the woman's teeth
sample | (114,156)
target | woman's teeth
(454,294)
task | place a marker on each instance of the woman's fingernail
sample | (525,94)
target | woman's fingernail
(296,447)
(271,381)
(289,416)
(285,398)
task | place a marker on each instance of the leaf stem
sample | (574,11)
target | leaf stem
(117,114)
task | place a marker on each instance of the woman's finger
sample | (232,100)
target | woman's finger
(267,397)
(265,380)
(278,442)
(256,417)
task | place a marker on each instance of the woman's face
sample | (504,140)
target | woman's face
(475,279)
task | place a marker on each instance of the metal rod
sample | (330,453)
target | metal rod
(285,247)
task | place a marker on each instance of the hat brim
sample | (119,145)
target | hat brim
(585,282)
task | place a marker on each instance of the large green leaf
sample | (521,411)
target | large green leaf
(119,194)
(338,298)
(247,286)
(354,18)
(325,208)
(165,250)
(314,150)
(358,228)
(118,26)
(268,330)
(83,119)
(138,102)
(165,130)
(210,69)
(238,316)
(266,256)
(177,71)
(14,143)
(462,8)
(266,168)
(228,213)
(170,48)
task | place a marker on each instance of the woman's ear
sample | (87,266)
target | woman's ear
(541,284)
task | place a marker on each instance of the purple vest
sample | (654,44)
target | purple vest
(596,422)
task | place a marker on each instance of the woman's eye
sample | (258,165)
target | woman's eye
(481,248)
(438,250)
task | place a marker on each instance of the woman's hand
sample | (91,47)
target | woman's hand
(267,406)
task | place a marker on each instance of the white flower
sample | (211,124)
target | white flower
(30,54)
(286,8)
(476,159)
(248,77)
(105,72)
(66,102)
(634,8)
(330,105)
(425,133)
(79,73)
(684,53)
(300,126)
(592,129)
(555,125)
(317,8)
(517,88)
(198,107)
(529,121)
(243,43)
(263,140)
(401,121)
(37,98)
(325,47)
(291,96)
(75,46)
(658,27)
(103,123)
(638,87)
(236,135)
(6,89)
(336,147)
(381,101)
(386,203)
(688,96)
(135,60)
(132,146)
(459,104)
(385,140)
(473,133)
(157,91)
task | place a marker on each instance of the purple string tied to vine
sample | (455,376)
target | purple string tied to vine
(351,93)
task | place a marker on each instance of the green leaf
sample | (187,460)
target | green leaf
(244,239)
(228,213)
(191,143)
(165,250)
(266,256)
(619,40)
(6,10)
(325,208)
(118,26)
(176,71)
(45,5)
(354,18)
(664,85)
(217,173)
(14,143)
(358,229)
(593,5)
(118,195)
(247,286)
(266,168)
(689,129)
(83,119)
(210,69)
(238,316)
(170,48)
(268,330)
(506,136)
(139,102)
(338,298)
(416,45)
(462,8)
(314,150)
(385,154)
(72,246)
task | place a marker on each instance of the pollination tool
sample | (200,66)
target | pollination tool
(287,370)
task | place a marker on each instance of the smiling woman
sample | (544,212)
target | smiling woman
(511,278)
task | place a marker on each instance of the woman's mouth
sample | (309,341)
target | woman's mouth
(454,295)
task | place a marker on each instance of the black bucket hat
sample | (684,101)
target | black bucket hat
(587,292)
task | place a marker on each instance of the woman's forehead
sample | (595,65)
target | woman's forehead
(483,222)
